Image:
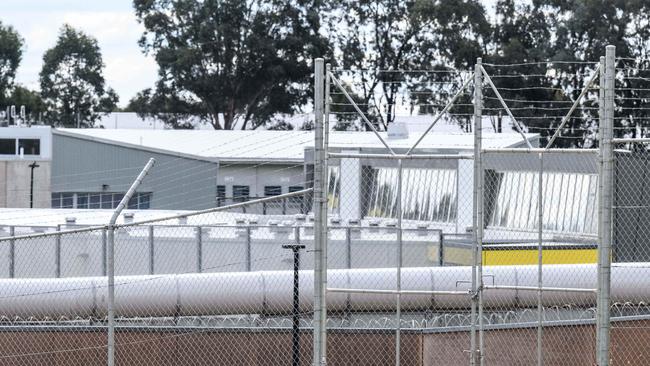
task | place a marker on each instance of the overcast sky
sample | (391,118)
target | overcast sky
(112,22)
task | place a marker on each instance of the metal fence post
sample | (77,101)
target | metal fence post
(317,208)
(324,204)
(398,327)
(110,260)
(12,253)
(57,253)
(199,249)
(540,221)
(478,225)
(606,201)
(152,250)
(441,248)
(248,249)
(348,247)
(104,255)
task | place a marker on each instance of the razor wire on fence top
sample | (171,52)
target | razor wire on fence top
(414,255)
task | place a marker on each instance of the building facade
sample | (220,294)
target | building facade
(25,166)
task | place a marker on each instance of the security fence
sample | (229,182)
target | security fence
(463,253)
(531,280)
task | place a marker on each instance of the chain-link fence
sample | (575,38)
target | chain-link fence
(188,289)
(485,248)
(522,273)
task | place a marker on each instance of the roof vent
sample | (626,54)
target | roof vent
(128,217)
(70,220)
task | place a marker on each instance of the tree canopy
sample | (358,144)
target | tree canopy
(72,82)
(11,53)
(237,62)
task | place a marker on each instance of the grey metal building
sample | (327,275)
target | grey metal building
(92,168)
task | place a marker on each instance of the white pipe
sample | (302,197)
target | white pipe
(271,292)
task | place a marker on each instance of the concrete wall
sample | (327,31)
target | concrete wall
(222,249)
(15,177)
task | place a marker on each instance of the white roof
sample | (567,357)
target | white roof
(48,217)
(280,146)
(416,122)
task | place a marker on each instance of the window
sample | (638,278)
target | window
(82,200)
(7,146)
(240,193)
(272,191)
(140,201)
(97,200)
(117,198)
(63,200)
(56,200)
(221,195)
(107,200)
(67,200)
(295,199)
(144,200)
(30,146)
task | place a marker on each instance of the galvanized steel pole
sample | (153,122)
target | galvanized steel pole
(540,262)
(324,204)
(606,202)
(110,260)
(476,259)
(12,252)
(317,209)
(398,327)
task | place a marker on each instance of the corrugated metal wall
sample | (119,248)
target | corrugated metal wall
(177,183)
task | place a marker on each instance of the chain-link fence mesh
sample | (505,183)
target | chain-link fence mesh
(546,275)
(215,288)
(412,280)
(432,236)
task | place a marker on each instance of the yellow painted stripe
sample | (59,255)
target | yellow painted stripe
(505,257)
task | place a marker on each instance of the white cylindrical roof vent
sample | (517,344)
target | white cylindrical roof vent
(128,217)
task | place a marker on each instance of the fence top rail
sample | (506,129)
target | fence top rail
(540,150)
(159,219)
(630,140)
(400,156)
